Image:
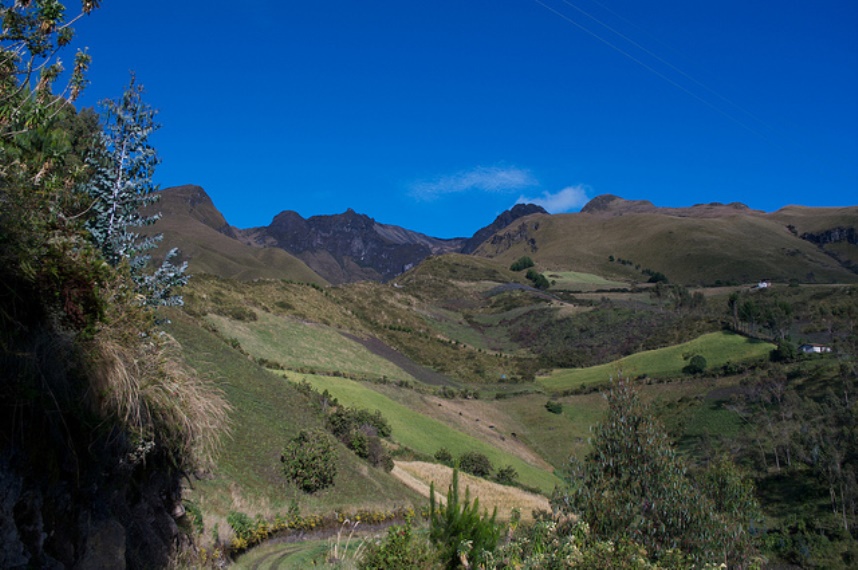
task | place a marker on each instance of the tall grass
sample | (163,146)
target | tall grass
(137,377)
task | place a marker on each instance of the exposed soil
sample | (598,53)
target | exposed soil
(421,373)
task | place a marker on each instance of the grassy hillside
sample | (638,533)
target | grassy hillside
(689,250)
(717,348)
(298,344)
(426,435)
(191,222)
(267,412)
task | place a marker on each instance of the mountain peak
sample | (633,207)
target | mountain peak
(503,220)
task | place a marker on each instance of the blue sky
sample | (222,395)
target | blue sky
(437,116)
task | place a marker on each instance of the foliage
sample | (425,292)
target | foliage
(309,461)
(554,406)
(360,430)
(400,548)
(657,277)
(539,280)
(32,34)
(121,187)
(461,534)
(696,365)
(521,263)
(507,475)
(475,463)
(551,543)
(444,456)
(633,486)
(786,351)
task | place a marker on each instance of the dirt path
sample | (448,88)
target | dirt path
(421,373)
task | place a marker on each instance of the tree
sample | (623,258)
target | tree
(463,535)
(31,36)
(521,263)
(634,486)
(475,463)
(121,187)
(696,365)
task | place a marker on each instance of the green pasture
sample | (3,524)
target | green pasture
(424,434)
(718,348)
(577,281)
(296,344)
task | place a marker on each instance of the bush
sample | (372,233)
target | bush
(507,475)
(554,407)
(475,463)
(444,456)
(539,280)
(696,365)
(521,263)
(461,533)
(309,461)
(399,549)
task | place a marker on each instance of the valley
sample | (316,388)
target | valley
(460,354)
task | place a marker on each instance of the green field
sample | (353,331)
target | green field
(718,349)
(577,281)
(424,434)
(296,344)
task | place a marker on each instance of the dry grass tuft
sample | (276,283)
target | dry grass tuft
(138,378)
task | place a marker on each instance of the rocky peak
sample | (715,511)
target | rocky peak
(503,220)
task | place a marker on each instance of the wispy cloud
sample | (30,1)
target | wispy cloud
(569,198)
(494,179)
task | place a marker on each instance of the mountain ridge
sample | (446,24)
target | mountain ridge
(696,244)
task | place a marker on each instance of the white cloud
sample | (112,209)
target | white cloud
(483,179)
(569,198)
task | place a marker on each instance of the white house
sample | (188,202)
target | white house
(814,348)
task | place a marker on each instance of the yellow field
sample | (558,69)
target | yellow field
(418,475)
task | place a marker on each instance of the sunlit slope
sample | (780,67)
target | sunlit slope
(689,250)
(299,344)
(424,434)
(267,412)
(823,222)
(191,222)
(717,348)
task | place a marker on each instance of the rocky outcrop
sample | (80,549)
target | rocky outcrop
(834,235)
(502,221)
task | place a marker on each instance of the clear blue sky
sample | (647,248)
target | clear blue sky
(439,115)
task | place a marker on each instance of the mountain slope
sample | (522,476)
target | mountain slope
(349,246)
(701,244)
(191,222)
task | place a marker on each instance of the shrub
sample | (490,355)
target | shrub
(696,365)
(462,534)
(554,407)
(475,463)
(444,456)
(399,549)
(309,461)
(521,263)
(507,475)
(539,280)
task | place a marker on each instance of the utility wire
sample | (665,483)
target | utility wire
(649,68)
